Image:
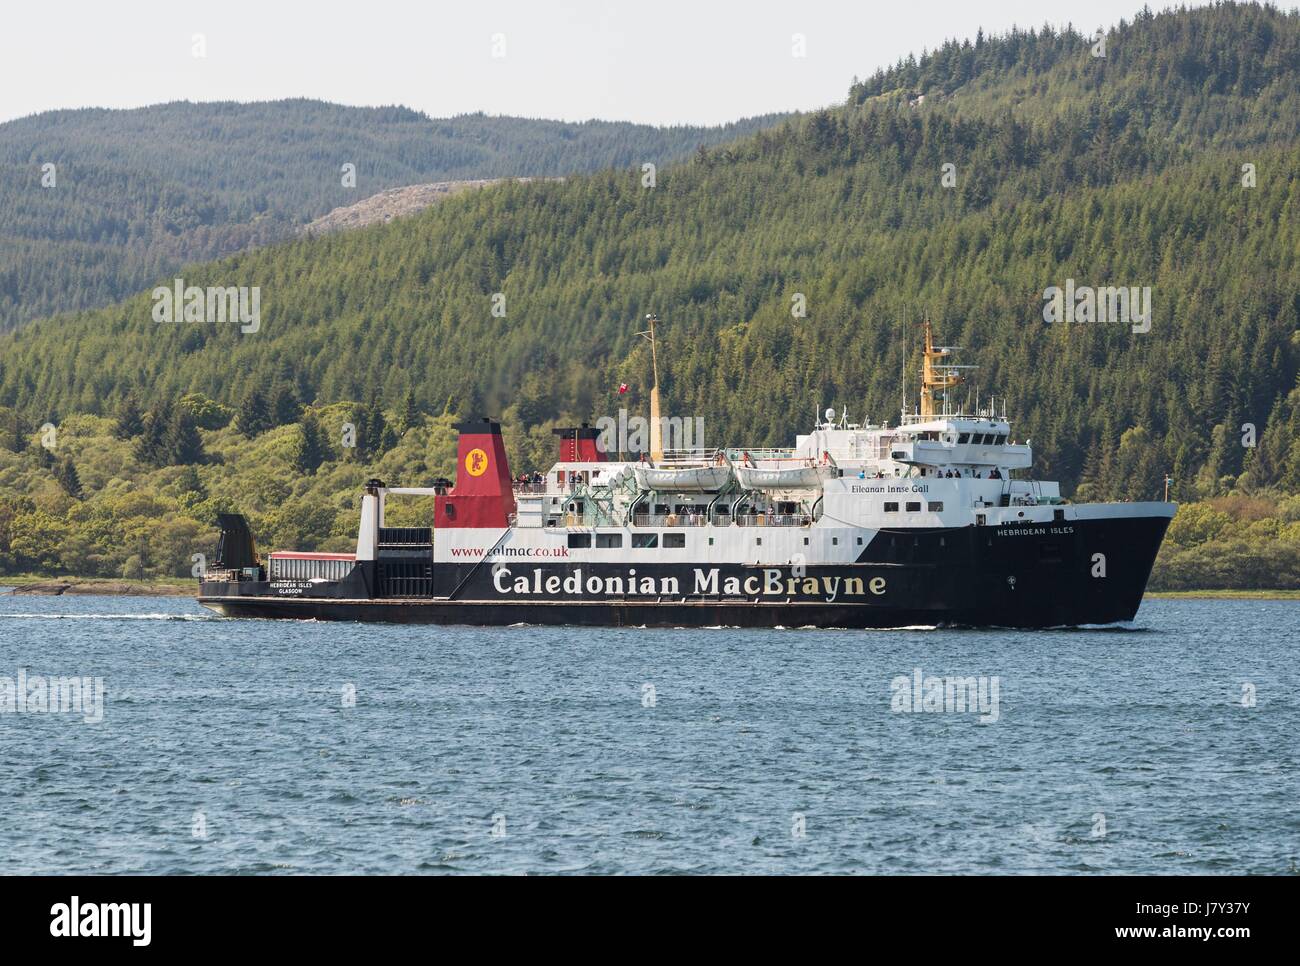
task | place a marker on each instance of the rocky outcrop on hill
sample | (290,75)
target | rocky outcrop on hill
(396,203)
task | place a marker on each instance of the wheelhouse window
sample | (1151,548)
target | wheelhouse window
(964,438)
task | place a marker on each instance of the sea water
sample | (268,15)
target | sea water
(248,746)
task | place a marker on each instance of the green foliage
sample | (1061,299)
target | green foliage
(847,208)
(313,445)
(410,412)
(1123,170)
(255,413)
(65,471)
(130,421)
(141,193)
(1197,523)
(284,405)
(374,435)
(151,445)
(1236,542)
(207,413)
(182,442)
(14,432)
(169,436)
(137,520)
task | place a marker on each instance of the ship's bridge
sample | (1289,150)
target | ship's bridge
(964,440)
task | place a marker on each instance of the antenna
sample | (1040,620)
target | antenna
(905,354)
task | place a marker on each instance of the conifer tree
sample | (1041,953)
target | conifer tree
(285,407)
(374,435)
(182,443)
(16,430)
(65,471)
(313,447)
(151,444)
(129,420)
(255,413)
(190,483)
(45,456)
(410,412)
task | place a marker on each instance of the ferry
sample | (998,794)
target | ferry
(934,521)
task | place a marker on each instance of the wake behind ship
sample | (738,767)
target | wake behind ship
(932,521)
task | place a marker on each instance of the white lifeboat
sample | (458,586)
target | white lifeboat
(696,479)
(689,472)
(784,473)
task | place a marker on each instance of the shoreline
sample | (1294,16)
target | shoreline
(27,585)
(1223,594)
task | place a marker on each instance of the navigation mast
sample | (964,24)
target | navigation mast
(656,439)
(934,376)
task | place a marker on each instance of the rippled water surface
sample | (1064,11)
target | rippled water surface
(229,746)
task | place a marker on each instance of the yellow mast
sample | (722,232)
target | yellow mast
(656,439)
(931,376)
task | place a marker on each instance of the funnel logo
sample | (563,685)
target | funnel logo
(476,462)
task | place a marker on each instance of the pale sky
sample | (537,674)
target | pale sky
(664,62)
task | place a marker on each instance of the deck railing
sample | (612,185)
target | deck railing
(773,520)
(670,520)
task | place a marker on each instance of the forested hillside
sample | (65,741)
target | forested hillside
(1123,170)
(134,194)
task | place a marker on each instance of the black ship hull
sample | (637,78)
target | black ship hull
(666,615)
(1085,573)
